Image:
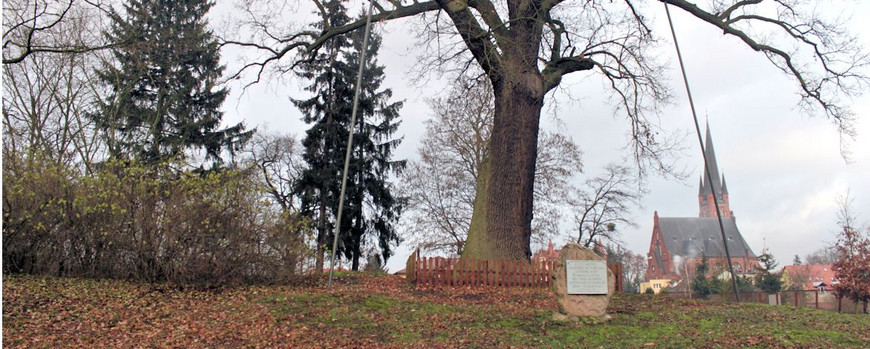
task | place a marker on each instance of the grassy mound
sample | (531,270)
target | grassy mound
(383,311)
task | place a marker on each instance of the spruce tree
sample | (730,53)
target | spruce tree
(374,208)
(163,94)
(767,279)
(319,184)
(369,208)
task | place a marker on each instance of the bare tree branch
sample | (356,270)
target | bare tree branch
(302,45)
(28,26)
(604,205)
(843,64)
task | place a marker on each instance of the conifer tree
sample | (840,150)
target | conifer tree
(374,208)
(701,285)
(163,95)
(768,280)
(369,208)
(317,185)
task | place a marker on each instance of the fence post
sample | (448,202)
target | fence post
(451,272)
(481,272)
(481,280)
(424,271)
(486,272)
(550,267)
(501,278)
(512,273)
(463,264)
(411,266)
(530,278)
(504,273)
(445,270)
(457,273)
(523,277)
(795,298)
(432,270)
(535,277)
(817,298)
(439,272)
(435,271)
(521,272)
(500,273)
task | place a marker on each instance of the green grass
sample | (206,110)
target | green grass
(377,311)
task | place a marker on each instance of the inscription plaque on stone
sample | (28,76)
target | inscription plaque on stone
(586,277)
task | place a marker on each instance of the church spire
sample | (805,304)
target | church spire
(701,188)
(714,179)
(712,164)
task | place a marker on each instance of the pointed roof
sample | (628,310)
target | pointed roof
(712,166)
(690,237)
(724,186)
(701,188)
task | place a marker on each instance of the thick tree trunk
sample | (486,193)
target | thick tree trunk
(508,53)
(501,222)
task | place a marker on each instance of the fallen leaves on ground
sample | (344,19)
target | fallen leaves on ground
(362,310)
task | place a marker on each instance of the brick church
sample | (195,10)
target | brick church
(678,243)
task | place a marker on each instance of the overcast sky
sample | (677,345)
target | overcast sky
(783,168)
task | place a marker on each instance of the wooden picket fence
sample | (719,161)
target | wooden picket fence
(460,272)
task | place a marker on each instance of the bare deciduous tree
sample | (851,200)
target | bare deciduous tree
(526,47)
(30,25)
(604,204)
(278,158)
(441,185)
(824,255)
(633,266)
(47,97)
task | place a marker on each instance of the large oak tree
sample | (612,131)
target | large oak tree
(441,186)
(526,47)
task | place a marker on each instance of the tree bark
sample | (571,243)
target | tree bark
(501,222)
(321,235)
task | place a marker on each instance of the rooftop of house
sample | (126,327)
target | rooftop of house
(810,276)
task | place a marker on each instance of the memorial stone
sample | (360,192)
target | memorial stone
(582,283)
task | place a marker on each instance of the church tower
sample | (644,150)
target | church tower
(705,196)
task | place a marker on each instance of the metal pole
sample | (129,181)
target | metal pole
(704,153)
(362,60)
